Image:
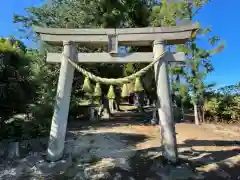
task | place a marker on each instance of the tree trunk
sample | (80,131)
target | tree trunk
(196,117)
(182,111)
(200,114)
(203,115)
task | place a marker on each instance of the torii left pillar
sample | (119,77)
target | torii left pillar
(61,109)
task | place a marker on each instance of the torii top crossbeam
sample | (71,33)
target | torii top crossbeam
(125,37)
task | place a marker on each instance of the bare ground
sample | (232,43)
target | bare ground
(135,147)
(125,149)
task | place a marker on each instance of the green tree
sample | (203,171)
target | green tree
(45,77)
(223,104)
(166,14)
(83,14)
(17,87)
(199,59)
(198,63)
(229,104)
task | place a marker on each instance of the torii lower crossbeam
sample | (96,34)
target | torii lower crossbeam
(118,58)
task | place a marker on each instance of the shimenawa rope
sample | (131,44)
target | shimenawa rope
(112,81)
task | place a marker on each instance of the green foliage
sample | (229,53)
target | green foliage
(16,83)
(76,14)
(187,81)
(19,93)
(165,14)
(212,106)
(183,92)
(224,104)
(93,13)
(86,14)
(46,77)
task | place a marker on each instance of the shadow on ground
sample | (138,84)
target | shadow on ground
(118,119)
(82,152)
(113,156)
(148,164)
(144,164)
(201,158)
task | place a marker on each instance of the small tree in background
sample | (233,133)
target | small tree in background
(17,87)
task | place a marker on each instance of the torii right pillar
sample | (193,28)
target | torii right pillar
(164,105)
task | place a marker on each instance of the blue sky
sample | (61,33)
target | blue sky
(222,16)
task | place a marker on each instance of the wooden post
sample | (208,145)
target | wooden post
(60,116)
(164,105)
(112,44)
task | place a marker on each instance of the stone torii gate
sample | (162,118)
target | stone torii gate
(156,36)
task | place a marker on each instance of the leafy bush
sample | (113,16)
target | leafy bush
(224,105)
(17,87)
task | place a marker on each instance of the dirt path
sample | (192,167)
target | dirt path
(201,145)
(124,149)
(201,138)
